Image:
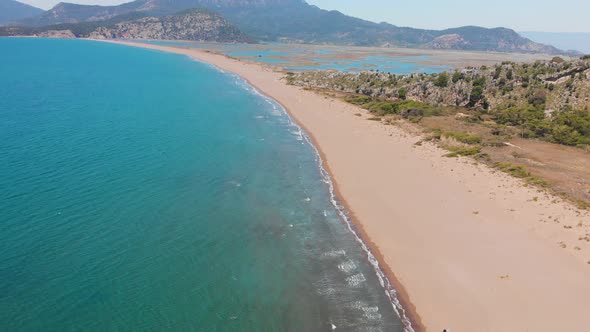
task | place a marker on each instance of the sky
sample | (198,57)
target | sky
(520,15)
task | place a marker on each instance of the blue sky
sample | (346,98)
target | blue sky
(521,15)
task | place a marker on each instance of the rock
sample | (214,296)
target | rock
(56,34)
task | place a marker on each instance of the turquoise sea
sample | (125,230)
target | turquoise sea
(144,191)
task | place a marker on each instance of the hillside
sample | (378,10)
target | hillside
(11,10)
(529,120)
(543,87)
(194,24)
(297,21)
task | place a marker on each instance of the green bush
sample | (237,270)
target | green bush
(382,107)
(442,80)
(520,172)
(457,76)
(401,93)
(469,151)
(538,98)
(463,137)
(566,135)
(359,100)
(517,116)
(476,95)
(578,120)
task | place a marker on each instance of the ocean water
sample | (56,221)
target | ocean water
(144,191)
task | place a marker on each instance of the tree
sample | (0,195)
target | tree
(477,91)
(401,93)
(509,74)
(538,98)
(457,76)
(442,81)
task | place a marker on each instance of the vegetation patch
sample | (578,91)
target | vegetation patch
(459,151)
(520,172)
(464,137)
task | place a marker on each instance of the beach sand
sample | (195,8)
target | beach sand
(470,249)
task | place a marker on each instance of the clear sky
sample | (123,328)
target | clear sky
(521,15)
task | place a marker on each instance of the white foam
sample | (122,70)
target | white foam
(356,280)
(385,283)
(334,253)
(370,312)
(327,291)
(347,266)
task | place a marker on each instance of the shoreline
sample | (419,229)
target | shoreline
(443,275)
(409,316)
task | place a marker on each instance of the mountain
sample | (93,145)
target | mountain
(11,10)
(579,41)
(297,21)
(192,24)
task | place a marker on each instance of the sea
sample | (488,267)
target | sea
(146,191)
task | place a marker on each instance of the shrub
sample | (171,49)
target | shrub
(476,95)
(477,91)
(516,116)
(509,74)
(566,135)
(359,100)
(538,98)
(401,93)
(442,80)
(457,76)
(382,107)
(464,137)
(469,151)
(520,172)
(578,120)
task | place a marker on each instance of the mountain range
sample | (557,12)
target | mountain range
(11,10)
(297,21)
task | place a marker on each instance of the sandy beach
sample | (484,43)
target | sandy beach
(469,249)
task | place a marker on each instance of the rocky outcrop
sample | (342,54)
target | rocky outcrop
(56,34)
(198,25)
(553,85)
(447,42)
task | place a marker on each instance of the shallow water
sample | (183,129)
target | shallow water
(145,191)
(315,57)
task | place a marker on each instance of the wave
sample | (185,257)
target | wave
(278,109)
